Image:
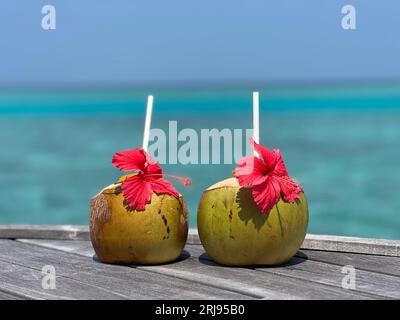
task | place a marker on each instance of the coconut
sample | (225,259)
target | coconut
(122,235)
(233,231)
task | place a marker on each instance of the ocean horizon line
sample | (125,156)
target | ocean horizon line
(203,84)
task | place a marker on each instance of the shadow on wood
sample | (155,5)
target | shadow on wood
(300,257)
(184,255)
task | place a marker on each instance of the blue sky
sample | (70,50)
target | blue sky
(181,41)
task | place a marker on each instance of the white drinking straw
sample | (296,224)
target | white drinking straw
(147,123)
(256,118)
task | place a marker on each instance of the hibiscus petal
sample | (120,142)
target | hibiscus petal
(162,186)
(280,168)
(267,194)
(137,192)
(130,160)
(250,171)
(267,155)
(290,189)
(154,170)
(149,158)
(152,166)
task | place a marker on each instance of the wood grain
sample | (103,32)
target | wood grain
(329,274)
(314,273)
(9,296)
(79,278)
(26,282)
(300,267)
(352,244)
(200,269)
(380,264)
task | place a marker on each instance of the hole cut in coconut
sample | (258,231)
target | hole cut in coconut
(227,183)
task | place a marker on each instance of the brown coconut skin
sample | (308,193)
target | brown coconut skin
(122,235)
(234,232)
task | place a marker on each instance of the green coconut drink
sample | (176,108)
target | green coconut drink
(260,217)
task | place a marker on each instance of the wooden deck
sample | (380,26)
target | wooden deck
(314,273)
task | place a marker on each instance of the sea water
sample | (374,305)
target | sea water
(341,144)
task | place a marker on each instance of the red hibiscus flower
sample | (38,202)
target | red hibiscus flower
(268,177)
(138,189)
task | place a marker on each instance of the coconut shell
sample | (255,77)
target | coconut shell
(122,235)
(233,231)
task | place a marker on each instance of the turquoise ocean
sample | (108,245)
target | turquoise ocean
(341,143)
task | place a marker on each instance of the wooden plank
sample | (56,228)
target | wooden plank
(26,282)
(29,231)
(314,271)
(193,237)
(315,242)
(243,280)
(60,232)
(80,277)
(369,246)
(367,282)
(8,296)
(351,244)
(80,247)
(380,264)
(184,269)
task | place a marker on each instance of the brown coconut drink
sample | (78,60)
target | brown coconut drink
(259,217)
(141,219)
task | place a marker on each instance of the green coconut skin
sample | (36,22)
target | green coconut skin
(234,232)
